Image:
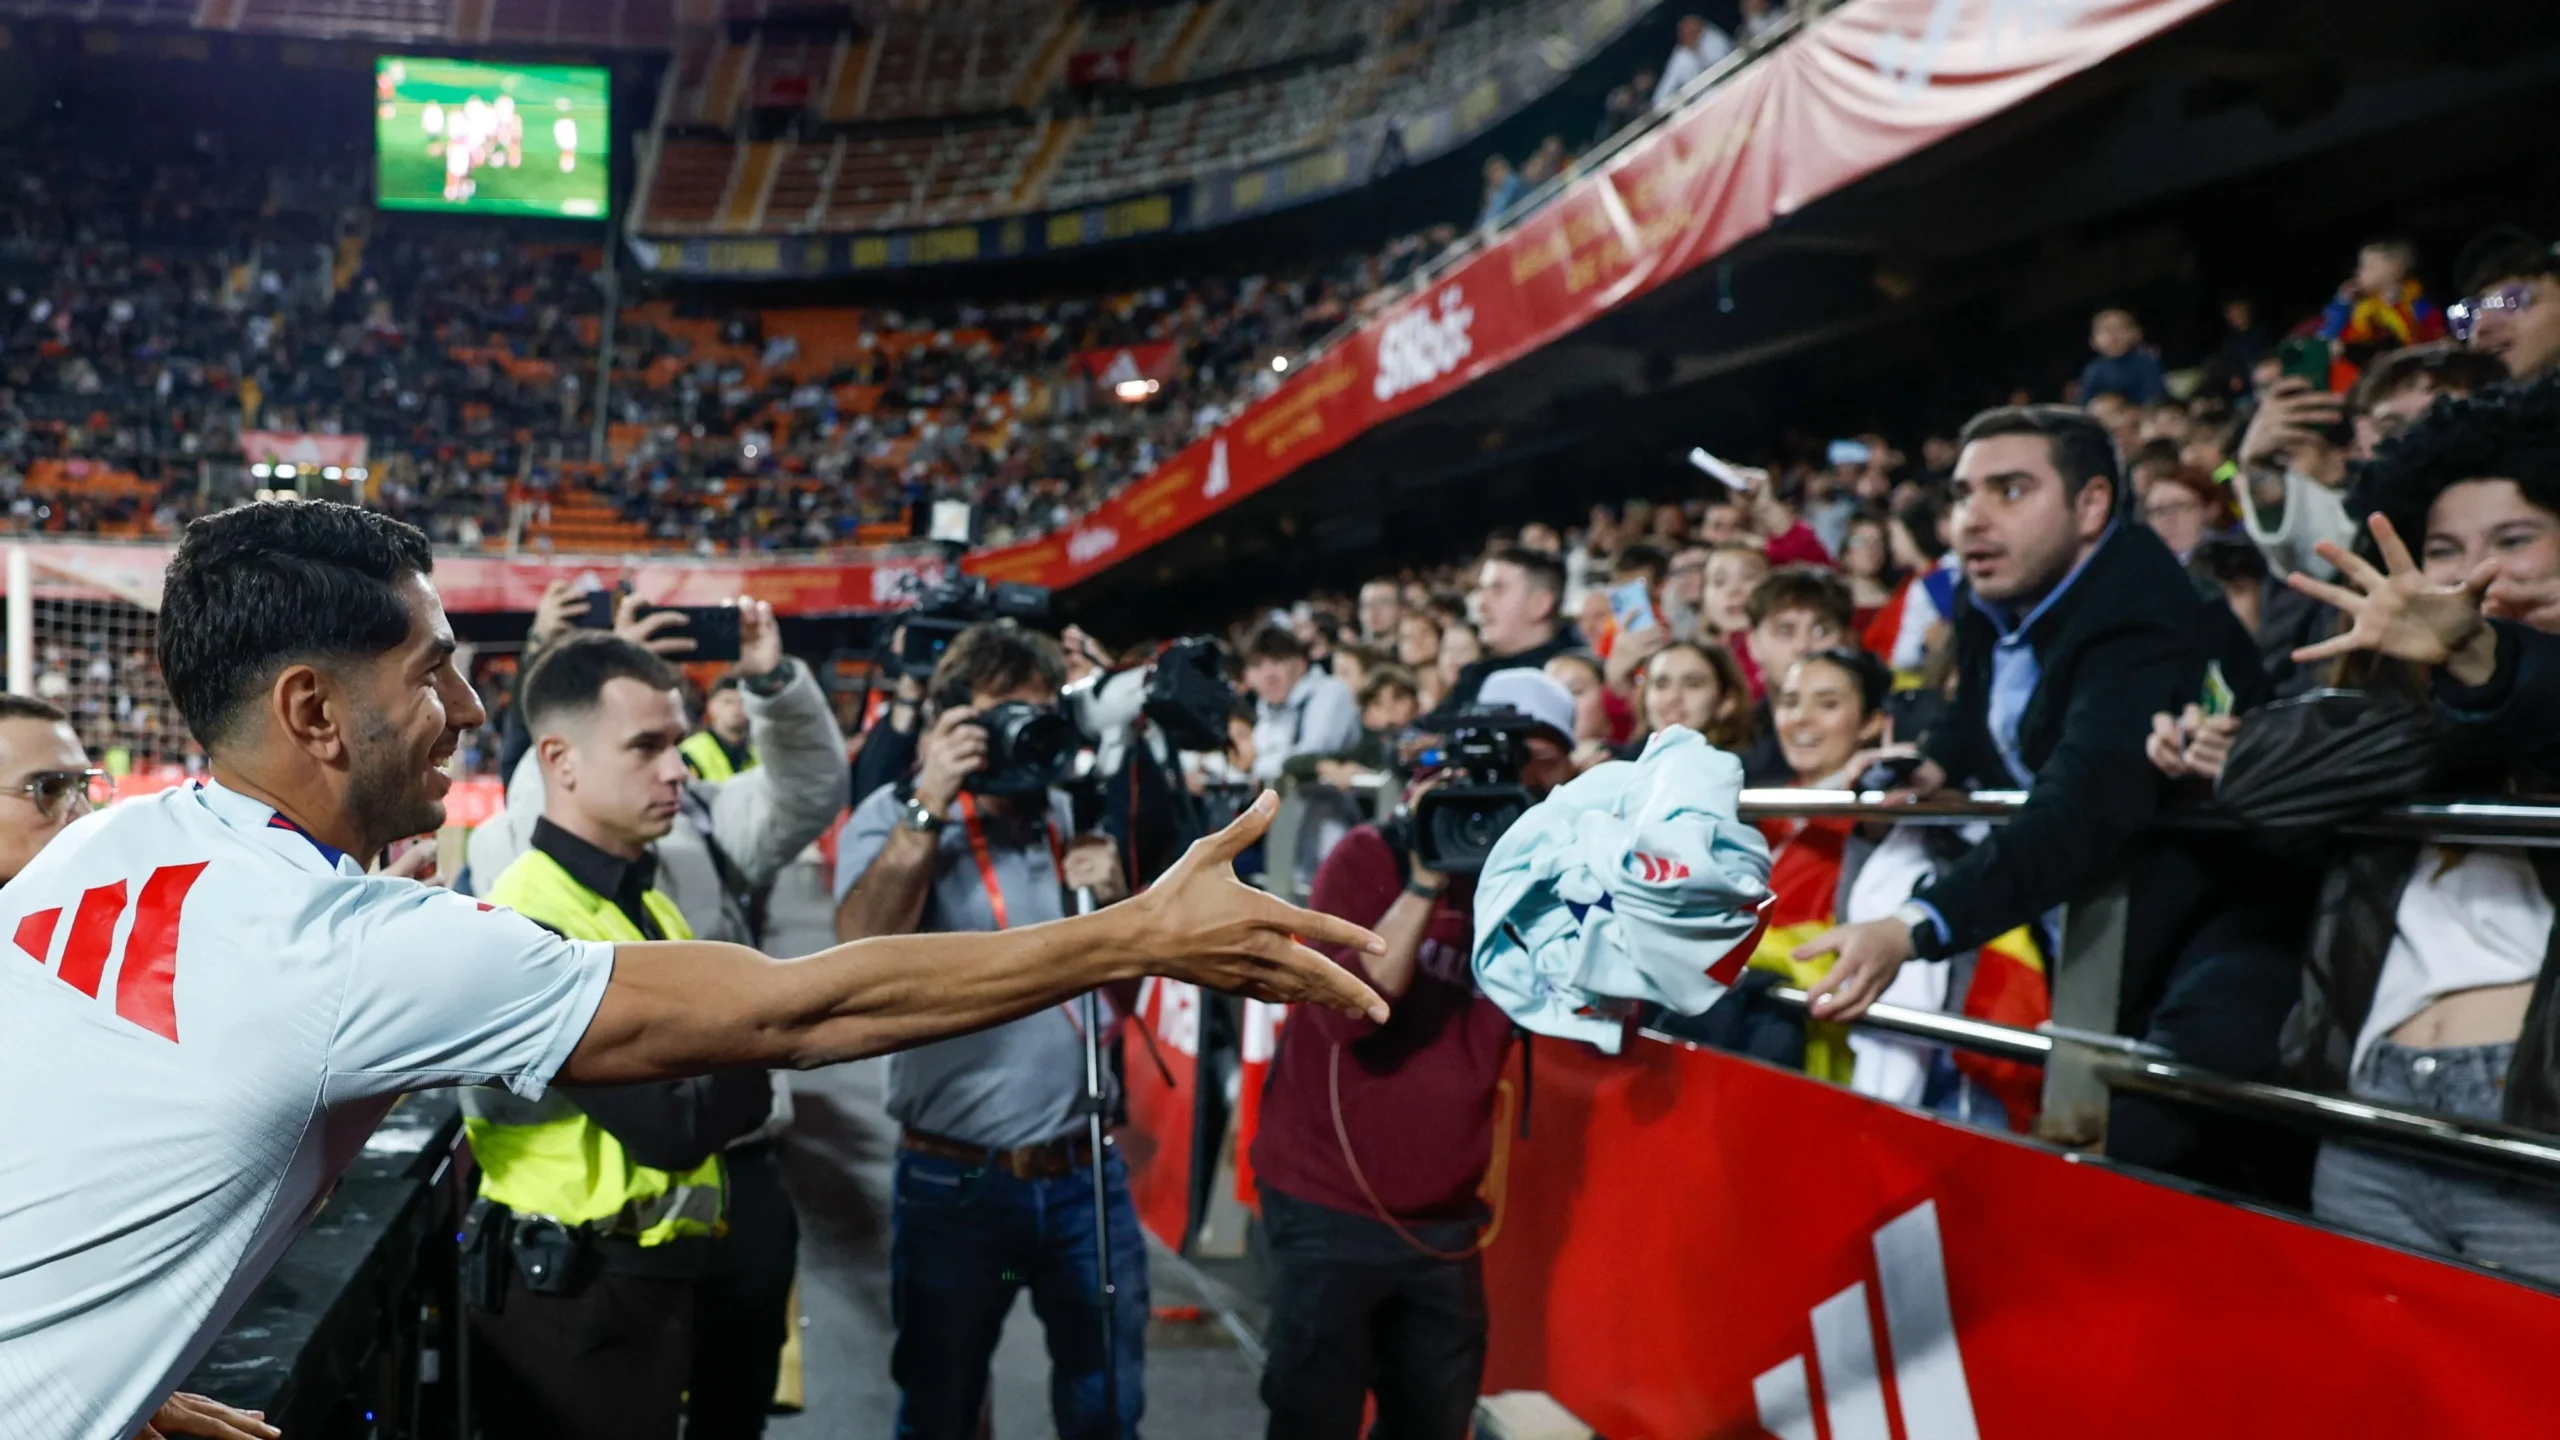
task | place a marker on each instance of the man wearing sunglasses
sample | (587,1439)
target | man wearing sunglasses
(2511,301)
(45,778)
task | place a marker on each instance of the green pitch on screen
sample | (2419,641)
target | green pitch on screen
(460,135)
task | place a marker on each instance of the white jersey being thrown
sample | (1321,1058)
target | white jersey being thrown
(203,1015)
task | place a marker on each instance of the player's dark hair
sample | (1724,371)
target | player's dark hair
(993,657)
(570,677)
(28,707)
(281,582)
(2080,447)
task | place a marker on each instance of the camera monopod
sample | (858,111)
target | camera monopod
(1107,1294)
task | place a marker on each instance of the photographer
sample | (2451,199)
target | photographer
(1375,1139)
(993,1188)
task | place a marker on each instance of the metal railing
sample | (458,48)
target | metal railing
(2084,1058)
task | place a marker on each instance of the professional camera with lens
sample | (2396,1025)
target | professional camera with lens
(1029,748)
(944,608)
(1453,826)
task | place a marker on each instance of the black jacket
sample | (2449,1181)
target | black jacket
(2490,744)
(1471,676)
(2130,638)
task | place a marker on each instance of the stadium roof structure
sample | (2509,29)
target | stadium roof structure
(583,24)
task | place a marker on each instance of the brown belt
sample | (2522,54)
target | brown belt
(1031,1162)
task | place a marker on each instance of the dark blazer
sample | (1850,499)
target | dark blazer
(2129,638)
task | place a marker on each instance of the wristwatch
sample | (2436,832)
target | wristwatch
(1426,892)
(1922,922)
(920,817)
(772,682)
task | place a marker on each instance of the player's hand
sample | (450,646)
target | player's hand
(649,630)
(1093,863)
(2402,614)
(195,1415)
(953,751)
(551,613)
(1201,924)
(759,638)
(1869,954)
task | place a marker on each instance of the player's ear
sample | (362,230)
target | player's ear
(311,710)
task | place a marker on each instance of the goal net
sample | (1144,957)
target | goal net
(87,642)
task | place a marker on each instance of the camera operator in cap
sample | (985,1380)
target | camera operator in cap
(993,1189)
(1375,1138)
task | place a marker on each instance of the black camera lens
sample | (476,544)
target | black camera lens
(1029,748)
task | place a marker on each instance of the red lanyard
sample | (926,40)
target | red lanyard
(995,893)
(987,860)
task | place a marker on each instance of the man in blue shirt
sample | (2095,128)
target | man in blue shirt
(2072,619)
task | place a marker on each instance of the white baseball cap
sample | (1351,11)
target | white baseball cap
(1535,694)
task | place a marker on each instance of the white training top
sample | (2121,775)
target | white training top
(2468,919)
(203,1015)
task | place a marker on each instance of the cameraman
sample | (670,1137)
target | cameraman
(993,1187)
(1375,1140)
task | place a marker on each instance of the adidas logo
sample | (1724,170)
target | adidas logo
(1846,1385)
(1655,869)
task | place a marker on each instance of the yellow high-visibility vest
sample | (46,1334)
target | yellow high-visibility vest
(547,1157)
(702,753)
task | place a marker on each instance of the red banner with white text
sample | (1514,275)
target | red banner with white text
(1870,83)
(474,584)
(1694,1244)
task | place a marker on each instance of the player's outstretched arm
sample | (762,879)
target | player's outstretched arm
(682,1008)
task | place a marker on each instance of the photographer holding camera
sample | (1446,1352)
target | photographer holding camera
(993,1188)
(1375,1139)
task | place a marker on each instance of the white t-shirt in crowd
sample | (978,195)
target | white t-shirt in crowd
(2468,919)
(202,1017)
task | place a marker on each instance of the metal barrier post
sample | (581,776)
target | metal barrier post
(2087,982)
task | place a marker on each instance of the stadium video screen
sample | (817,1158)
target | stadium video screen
(464,135)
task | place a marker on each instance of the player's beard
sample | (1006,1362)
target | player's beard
(385,784)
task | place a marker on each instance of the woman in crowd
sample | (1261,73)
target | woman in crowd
(1696,684)
(2429,983)
(1418,650)
(1601,718)
(1900,633)
(1459,648)
(2183,506)
(1830,713)
(1866,559)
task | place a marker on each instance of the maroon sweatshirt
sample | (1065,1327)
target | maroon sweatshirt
(1417,1092)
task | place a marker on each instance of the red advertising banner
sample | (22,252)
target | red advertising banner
(286,447)
(1694,1244)
(1156,1143)
(473,584)
(1870,83)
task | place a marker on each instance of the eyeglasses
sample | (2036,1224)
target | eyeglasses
(2462,318)
(53,791)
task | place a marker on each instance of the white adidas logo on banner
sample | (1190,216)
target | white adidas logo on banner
(1928,1371)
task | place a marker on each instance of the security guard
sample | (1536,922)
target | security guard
(598,1204)
(721,748)
(726,866)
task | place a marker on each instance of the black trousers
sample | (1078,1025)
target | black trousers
(1355,1311)
(741,1305)
(605,1363)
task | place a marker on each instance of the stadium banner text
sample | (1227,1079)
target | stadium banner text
(1871,83)
(863,583)
(1696,1244)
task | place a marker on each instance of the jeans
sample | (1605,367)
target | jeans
(964,1241)
(2486,1219)
(1356,1311)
